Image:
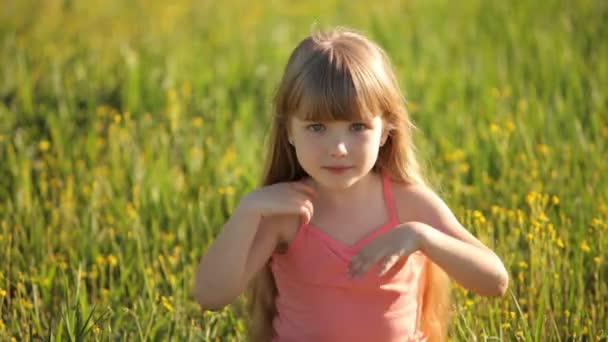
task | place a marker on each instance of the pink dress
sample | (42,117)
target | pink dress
(317,301)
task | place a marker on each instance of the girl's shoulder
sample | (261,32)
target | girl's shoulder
(418,202)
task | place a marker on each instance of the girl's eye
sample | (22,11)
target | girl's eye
(358,127)
(315,127)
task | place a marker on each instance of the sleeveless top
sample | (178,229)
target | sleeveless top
(317,301)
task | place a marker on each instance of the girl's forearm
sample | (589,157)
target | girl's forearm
(474,268)
(219,273)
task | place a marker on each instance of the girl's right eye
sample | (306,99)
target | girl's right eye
(316,128)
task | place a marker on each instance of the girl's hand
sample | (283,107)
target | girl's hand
(389,247)
(283,198)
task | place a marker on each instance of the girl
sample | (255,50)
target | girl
(344,241)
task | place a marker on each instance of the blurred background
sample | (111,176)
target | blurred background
(129,130)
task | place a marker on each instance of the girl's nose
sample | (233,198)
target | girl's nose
(338,149)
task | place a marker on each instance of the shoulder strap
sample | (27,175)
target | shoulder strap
(388,197)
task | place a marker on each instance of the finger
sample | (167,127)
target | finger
(306,211)
(361,266)
(388,264)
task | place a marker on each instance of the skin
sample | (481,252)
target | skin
(338,143)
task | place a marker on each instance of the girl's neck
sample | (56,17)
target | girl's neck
(351,198)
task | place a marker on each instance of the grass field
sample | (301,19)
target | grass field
(129,131)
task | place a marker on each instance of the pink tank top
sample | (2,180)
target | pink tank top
(317,301)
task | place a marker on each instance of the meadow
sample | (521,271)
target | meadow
(129,131)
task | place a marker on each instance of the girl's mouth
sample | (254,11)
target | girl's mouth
(337,170)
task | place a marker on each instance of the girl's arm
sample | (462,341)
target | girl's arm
(219,273)
(248,240)
(449,245)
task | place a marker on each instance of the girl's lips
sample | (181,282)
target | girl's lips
(337,170)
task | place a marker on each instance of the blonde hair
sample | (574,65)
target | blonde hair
(342,75)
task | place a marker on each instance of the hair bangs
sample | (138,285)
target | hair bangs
(335,88)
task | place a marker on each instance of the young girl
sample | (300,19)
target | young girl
(344,241)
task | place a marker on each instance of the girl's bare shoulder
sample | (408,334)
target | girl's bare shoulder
(414,202)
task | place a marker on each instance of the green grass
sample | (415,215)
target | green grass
(129,131)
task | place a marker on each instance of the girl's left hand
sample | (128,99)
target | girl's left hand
(390,247)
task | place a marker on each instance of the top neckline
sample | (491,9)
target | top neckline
(392,220)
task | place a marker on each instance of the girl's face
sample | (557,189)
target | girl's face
(322,146)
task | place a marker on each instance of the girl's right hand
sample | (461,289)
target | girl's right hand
(283,198)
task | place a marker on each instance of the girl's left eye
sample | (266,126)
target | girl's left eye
(315,128)
(359,126)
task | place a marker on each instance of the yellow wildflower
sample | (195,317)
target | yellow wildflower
(197,122)
(111,260)
(44,145)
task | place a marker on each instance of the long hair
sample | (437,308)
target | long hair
(342,75)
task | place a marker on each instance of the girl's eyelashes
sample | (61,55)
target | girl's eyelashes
(359,126)
(316,127)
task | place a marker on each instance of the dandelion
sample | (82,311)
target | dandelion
(167,304)
(555,200)
(105,293)
(100,260)
(597,260)
(559,243)
(543,149)
(456,155)
(111,260)
(506,325)
(2,293)
(494,129)
(44,145)
(197,122)
(531,197)
(131,211)
(26,303)
(585,247)
(228,190)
